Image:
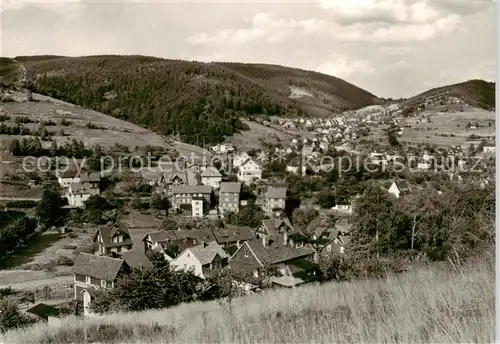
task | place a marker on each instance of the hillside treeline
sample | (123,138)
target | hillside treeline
(196,101)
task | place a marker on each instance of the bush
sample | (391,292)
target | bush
(21,204)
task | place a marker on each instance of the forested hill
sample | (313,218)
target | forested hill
(197,101)
(478,93)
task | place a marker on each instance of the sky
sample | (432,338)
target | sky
(389,48)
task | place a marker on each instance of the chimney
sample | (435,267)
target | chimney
(285,238)
(264,241)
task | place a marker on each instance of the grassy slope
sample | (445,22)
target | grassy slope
(430,305)
(478,93)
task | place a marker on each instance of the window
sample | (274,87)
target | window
(299,244)
(103,283)
(185,267)
(329,248)
(188,255)
(120,238)
(87,279)
(246,253)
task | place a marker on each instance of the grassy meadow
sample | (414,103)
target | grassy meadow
(430,304)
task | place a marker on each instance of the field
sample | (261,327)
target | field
(247,140)
(446,129)
(427,305)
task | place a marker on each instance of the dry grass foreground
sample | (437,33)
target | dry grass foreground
(432,305)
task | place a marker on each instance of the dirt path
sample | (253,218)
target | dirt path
(39,283)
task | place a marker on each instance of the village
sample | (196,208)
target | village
(243,210)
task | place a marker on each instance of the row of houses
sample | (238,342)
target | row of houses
(276,244)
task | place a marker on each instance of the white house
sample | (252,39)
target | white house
(399,188)
(489,148)
(248,171)
(240,158)
(201,259)
(78,193)
(211,177)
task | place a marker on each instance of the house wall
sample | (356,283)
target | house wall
(186,262)
(244,264)
(229,202)
(211,181)
(197,208)
(394,190)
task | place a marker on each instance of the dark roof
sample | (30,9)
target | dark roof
(44,311)
(233,233)
(161,236)
(90,177)
(189,189)
(272,225)
(100,267)
(402,185)
(301,265)
(108,232)
(276,192)
(136,259)
(70,173)
(276,252)
(231,187)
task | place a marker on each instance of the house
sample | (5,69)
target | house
(201,259)
(275,199)
(223,148)
(78,193)
(294,165)
(272,227)
(211,177)
(192,198)
(249,171)
(173,178)
(91,272)
(68,177)
(489,148)
(229,197)
(238,159)
(233,235)
(343,206)
(294,264)
(399,188)
(112,239)
(44,312)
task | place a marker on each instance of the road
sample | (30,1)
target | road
(19,199)
(39,283)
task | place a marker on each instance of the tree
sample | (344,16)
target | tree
(160,203)
(326,199)
(49,211)
(302,217)
(11,317)
(151,288)
(335,267)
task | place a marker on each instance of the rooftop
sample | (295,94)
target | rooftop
(190,189)
(100,267)
(206,253)
(230,187)
(276,192)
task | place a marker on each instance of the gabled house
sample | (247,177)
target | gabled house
(255,256)
(229,197)
(233,236)
(171,243)
(275,199)
(77,194)
(249,171)
(211,177)
(112,239)
(91,272)
(238,159)
(399,188)
(89,180)
(271,227)
(201,260)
